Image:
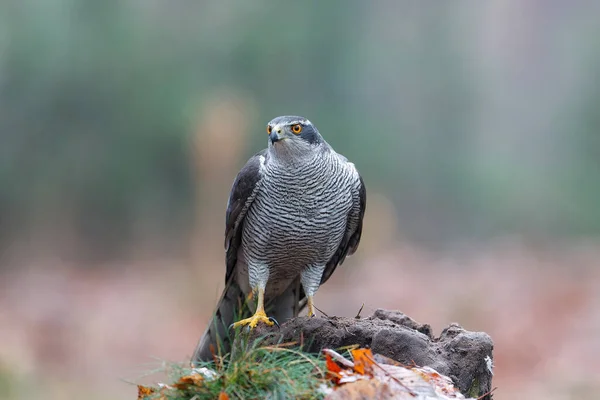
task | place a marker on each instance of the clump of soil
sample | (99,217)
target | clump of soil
(466,357)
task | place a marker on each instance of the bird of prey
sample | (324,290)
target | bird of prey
(295,212)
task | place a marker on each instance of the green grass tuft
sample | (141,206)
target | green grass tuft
(271,372)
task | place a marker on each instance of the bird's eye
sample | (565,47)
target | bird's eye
(269,129)
(296,128)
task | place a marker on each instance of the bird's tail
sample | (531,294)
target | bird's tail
(233,306)
(288,304)
(217,338)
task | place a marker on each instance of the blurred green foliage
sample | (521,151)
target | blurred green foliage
(468,135)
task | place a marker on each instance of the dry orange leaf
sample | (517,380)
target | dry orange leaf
(144,391)
(363,361)
(339,359)
(189,380)
(332,365)
(223,396)
(332,368)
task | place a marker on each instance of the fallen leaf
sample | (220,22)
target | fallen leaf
(363,361)
(375,376)
(189,380)
(442,384)
(144,391)
(339,359)
(347,376)
(332,365)
(368,389)
(223,396)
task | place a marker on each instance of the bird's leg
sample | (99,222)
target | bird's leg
(311,307)
(259,315)
(310,277)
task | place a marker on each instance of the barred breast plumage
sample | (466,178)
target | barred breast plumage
(298,217)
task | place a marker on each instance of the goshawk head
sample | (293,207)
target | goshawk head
(292,133)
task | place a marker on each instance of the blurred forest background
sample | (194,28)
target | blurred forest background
(476,126)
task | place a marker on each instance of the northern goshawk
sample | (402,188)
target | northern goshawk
(295,212)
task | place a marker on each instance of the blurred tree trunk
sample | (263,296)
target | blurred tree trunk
(218,143)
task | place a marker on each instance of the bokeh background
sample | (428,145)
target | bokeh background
(476,126)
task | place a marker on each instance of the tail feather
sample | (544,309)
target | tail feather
(287,305)
(216,338)
(232,306)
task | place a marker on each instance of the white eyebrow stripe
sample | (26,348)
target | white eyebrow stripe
(301,122)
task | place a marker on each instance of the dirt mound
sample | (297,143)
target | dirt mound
(466,357)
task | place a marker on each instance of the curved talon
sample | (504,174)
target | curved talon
(273,320)
(254,320)
(259,315)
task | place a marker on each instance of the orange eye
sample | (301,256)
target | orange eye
(269,129)
(297,128)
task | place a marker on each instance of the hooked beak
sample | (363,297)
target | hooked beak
(275,136)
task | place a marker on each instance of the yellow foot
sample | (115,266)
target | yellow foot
(254,320)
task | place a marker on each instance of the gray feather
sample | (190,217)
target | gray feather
(216,339)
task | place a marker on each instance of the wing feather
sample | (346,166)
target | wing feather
(351,239)
(242,195)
